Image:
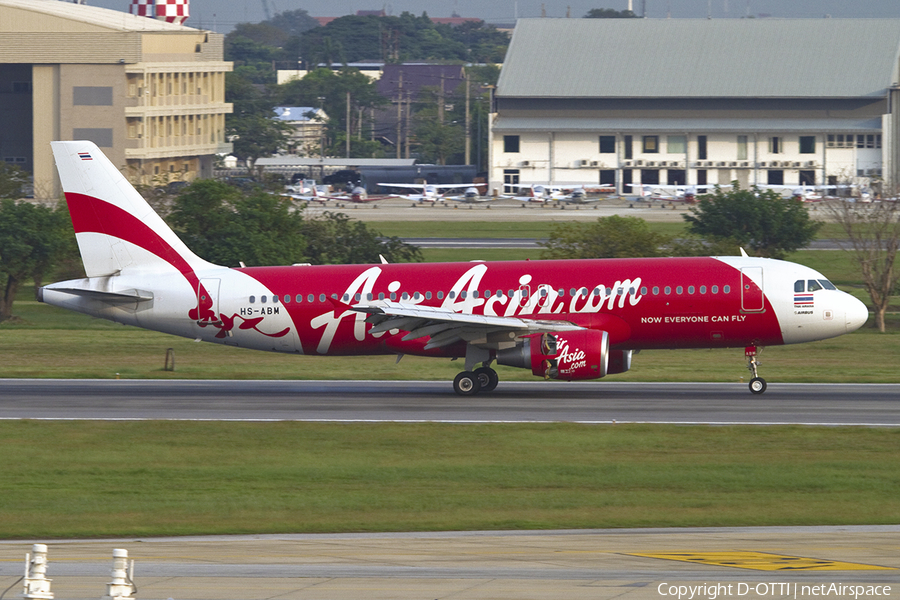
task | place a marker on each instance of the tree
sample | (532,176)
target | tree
(760,220)
(252,128)
(330,90)
(609,13)
(226,226)
(607,237)
(12,178)
(873,239)
(335,239)
(32,239)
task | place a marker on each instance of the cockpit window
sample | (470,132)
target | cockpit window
(813,285)
(827,284)
(799,286)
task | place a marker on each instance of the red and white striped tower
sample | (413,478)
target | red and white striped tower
(171,11)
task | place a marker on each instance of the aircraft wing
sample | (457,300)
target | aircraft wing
(409,186)
(445,327)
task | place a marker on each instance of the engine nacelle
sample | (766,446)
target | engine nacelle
(571,355)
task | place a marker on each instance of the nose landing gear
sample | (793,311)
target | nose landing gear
(757,383)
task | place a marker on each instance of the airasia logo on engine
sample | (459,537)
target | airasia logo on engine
(569,361)
(571,355)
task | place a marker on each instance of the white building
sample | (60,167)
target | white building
(680,101)
(307,128)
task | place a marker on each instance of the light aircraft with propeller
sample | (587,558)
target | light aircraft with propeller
(427,192)
(560,319)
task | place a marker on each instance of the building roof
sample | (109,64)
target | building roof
(418,75)
(94,15)
(675,125)
(291,114)
(695,58)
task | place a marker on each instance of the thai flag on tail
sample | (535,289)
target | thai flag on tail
(85,156)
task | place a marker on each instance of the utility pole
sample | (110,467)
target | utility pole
(468,124)
(348,124)
(399,113)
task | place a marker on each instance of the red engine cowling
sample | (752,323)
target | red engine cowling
(572,355)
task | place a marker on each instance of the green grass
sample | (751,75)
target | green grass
(489,229)
(99,479)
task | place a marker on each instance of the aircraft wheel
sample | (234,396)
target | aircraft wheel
(488,378)
(467,383)
(757,385)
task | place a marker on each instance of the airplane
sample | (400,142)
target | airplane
(550,193)
(311,193)
(430,192)
(562,319)
(670,193)
(358,194)
(471,196)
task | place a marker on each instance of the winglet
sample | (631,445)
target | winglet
(744,254)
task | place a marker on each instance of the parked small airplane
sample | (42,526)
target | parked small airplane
(471,196)
(552,193)
(561,319)
(670,193)
(430,192)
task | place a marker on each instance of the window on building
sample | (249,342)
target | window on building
(651,144)
(607,144)
(701,177)
(701,147)
(776,145)
(807,177)
(807,144)
(650,176)
(676,176)
(510,143)
(676,144)
(92,96)
(742,147)
(607,177)
(627,142)
(510,181)
(775,177)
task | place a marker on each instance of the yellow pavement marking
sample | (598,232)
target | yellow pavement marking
(762,561)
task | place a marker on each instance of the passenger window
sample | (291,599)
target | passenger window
(702,289)
(726,289)
(321,297)
(679,290)
(312,298)
(798,286)
(252,299)
(812,285)
(655,290)
(668,290)
(690,289)
(715,289)
(262,299)
(274,299)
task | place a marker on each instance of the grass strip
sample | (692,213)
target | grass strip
(95,479)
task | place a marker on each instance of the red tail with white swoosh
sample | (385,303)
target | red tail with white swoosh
(561,319)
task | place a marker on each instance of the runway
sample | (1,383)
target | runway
(636,564)
(416,401)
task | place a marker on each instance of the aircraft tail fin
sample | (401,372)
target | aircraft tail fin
(115,228)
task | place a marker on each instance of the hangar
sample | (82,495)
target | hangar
(151,94)
(689,102)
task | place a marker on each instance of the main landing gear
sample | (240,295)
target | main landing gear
(757,383)
(469,383)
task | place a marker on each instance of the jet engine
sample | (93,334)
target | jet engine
(570,356)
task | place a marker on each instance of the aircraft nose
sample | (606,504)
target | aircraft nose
(857,314)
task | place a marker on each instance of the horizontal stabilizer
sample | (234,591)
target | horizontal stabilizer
(110,297)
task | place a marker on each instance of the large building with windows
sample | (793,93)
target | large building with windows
(688,102)
(150,94)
